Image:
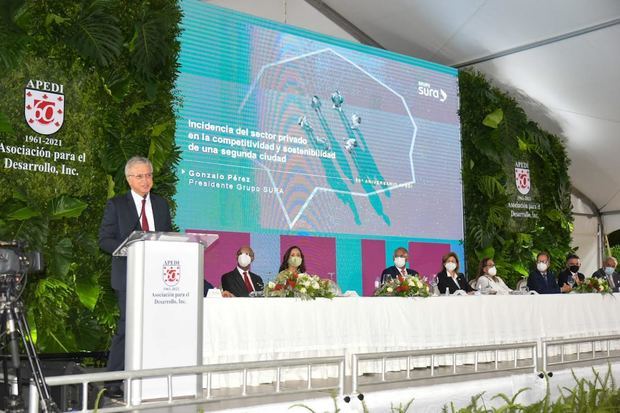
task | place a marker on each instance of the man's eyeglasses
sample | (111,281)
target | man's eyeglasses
(142,176)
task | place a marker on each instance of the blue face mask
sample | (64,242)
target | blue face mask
(609,270)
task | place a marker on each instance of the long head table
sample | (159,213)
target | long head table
(251,329)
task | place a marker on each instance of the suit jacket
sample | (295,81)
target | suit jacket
(444,281)
(600,273)
(120,218)
(565,275)
(536,282)
(233,282)
(393,272)
(207,286)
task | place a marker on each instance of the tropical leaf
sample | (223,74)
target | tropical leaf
(52,18)
(161,145)
(12,37)
(66,207)
(62,257)
(23,213)
(489,251)
(520,268)
(87,289)
(493,119)
(148,47)
(110,191)
(95,33)
(554,215)
(490,186)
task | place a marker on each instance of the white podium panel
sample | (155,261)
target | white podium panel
(164,314)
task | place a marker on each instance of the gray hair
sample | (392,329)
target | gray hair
(612,258)
(134,160)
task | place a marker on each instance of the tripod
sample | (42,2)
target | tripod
(13,319)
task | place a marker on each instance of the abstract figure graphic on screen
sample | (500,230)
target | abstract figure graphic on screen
(363,161)
(331,172)
(344,164)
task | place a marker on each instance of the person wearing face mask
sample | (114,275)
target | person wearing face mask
(571,275)
(241,281)
(449,278)
(609,273)
(293,261)
(487,280)
(542,280)
(401,257)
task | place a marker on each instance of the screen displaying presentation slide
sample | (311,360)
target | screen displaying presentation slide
(287,134)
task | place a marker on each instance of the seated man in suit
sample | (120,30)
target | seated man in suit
(542,280)
(571,275)
(609,273)
(240,281)
(401,257)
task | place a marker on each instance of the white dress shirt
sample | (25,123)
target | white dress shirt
(148,208)
(241,271)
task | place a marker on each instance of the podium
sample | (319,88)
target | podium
(163,328)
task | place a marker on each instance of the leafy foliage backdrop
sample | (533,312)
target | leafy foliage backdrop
(117,62)
(495,134)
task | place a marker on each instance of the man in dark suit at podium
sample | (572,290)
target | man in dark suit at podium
(136,210)
(401,257)
(240,281)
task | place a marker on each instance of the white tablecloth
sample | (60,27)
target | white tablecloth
(252,329)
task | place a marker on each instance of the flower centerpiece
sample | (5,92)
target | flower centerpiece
(291,284)
(404,286)
(593,285)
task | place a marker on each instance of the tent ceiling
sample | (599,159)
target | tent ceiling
(571,86)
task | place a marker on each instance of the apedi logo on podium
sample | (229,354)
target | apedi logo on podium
(171,272)
(44,106)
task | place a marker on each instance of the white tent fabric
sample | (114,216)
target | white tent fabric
(559,58)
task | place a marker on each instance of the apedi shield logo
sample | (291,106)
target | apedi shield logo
(425,89)
(44,106)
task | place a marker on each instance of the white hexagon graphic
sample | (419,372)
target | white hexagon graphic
(301,97)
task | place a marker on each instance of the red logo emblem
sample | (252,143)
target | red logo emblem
(172,274)
(522,177)
(44,111)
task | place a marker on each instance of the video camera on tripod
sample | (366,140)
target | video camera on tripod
(15,264)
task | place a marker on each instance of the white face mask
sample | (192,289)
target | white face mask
(450,266)
(244,260)
(492,271)
(541,266)
(294,261)
(400,262)
(609,270)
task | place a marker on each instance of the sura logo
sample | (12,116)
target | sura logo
(425,89)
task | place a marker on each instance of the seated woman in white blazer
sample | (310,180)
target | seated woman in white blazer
(487,281)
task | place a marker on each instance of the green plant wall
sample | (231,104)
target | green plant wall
(117,62)
(496,134)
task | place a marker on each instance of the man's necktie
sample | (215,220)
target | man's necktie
(246,280)
(145,223)
(403,271)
